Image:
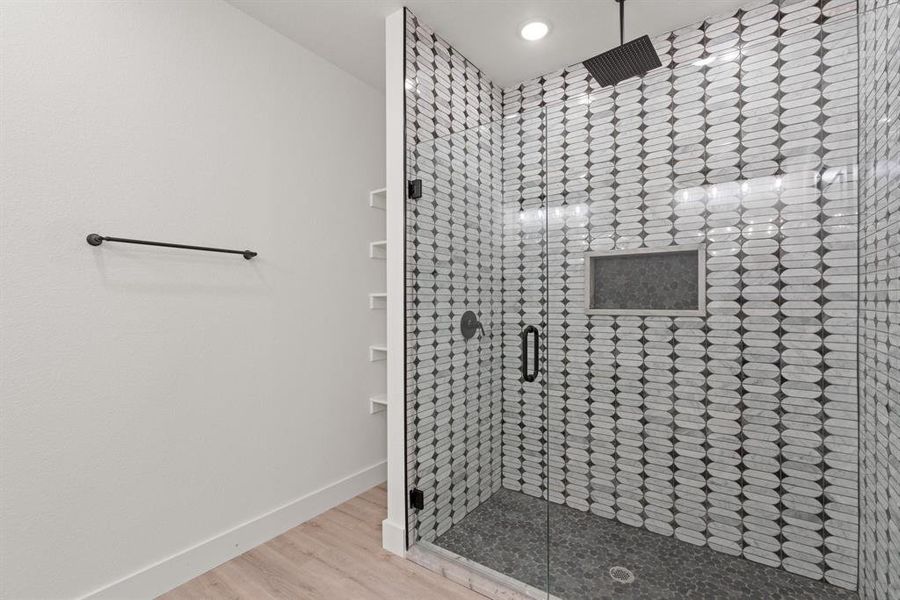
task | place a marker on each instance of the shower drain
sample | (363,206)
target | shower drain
(621,575)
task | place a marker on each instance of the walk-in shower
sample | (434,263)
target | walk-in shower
(652,329)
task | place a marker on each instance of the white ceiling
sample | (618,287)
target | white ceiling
(350,33)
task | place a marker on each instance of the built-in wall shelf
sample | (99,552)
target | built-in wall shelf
(378,300)
(378,249)
(377,353)
(378,199)
(377,403)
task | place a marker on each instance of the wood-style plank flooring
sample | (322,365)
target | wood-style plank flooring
(335,556)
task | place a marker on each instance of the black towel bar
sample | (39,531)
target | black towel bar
(95,239)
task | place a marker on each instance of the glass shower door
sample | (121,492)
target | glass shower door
(476,352)
(702,437)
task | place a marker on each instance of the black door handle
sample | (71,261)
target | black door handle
(533,375)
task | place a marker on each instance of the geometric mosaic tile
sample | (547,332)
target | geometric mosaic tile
(736,430)
(879,335)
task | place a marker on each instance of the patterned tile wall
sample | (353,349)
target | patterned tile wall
(879,344)
(737,430)
(525,292)
(453,244)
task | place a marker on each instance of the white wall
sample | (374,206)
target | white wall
(394,526)
(155,399)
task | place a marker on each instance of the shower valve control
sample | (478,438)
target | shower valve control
(470,325)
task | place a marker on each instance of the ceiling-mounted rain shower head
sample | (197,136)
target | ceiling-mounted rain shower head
(629,60)
(633,59)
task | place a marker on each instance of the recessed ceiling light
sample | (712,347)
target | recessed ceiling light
(534,30)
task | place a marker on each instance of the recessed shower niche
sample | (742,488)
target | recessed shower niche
(647,281)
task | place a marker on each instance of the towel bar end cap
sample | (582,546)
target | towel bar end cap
(94,239)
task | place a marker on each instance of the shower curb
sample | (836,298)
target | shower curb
(473,575)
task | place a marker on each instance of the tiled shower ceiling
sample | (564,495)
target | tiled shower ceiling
(737,430)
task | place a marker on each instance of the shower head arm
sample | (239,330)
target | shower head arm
(631,59)
(621,22)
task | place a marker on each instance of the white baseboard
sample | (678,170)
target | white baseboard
(393,538)
(183,566)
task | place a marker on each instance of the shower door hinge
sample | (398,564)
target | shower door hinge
(414,189)
(417,499)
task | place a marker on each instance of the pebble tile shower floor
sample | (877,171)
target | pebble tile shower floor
(507,533)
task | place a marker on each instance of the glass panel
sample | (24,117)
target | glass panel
(476,355)
(723,439)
